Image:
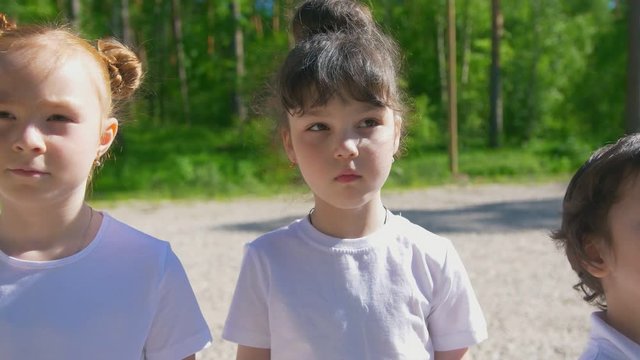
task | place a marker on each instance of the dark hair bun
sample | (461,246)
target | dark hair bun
(125,68)
(326,16)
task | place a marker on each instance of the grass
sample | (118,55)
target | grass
(184,163)
(479,166)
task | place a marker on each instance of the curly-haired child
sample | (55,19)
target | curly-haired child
(600,233)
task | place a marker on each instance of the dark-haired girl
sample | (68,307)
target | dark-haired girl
(351,280)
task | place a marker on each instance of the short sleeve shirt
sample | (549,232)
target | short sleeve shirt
(607,343)
(125,296)
(400,293)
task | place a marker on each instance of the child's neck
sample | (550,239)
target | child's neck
(348,223)
(43,234)
(624,317)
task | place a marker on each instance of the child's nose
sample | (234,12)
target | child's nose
(29,138)
(347,147)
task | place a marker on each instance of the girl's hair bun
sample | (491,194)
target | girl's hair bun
(125,68)
(328,16)
(6,23)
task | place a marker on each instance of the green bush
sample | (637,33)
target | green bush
(186,162)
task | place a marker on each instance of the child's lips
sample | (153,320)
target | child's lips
(347,178)
(27,172)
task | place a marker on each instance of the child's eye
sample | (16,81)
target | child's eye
(318,127)
(6,115)
(370,122)
(58,117)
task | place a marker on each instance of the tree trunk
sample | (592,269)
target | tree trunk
(211,22)
(76,8)
(241,109)
(632,106)
(116,19)
(256,19)
(465,58)
(182,71)
(161,52)
(442,61)
(453,111)
(127,32)
(532,103)
(466,46)
(495,97)
(275,16)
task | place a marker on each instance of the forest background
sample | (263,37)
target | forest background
(539,85)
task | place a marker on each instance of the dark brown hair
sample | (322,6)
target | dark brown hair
(339,51)
(594,188)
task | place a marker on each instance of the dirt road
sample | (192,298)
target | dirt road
(501,232)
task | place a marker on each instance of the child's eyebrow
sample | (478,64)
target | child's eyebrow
(59,103)
(67,104)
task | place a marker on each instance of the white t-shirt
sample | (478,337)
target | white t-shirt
(399,293)
(125,296)
(606,343)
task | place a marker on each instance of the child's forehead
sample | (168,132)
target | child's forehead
(24,56)
(336,104)
(312,101)
(35,61)
(53,45)
(45,52)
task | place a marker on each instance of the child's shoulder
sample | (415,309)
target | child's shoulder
(418,238)
(128,238)
(277,237)
(414,232)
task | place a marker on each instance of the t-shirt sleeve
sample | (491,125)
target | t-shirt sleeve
(178,328)
(248,319)
(456,320)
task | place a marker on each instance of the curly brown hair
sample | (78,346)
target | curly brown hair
(593,190)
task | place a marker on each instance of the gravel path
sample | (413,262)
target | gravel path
(501,232)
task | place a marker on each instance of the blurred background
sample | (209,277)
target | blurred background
(536,84)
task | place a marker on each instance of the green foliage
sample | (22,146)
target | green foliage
(178,162)
(563,67)
(595,111)
(30,11)
(175,161)
(423,132)
(536,161)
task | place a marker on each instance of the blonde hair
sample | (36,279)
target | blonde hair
(120,67)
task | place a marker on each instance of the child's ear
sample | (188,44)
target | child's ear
(285,134)
(109,131)
(598,254)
